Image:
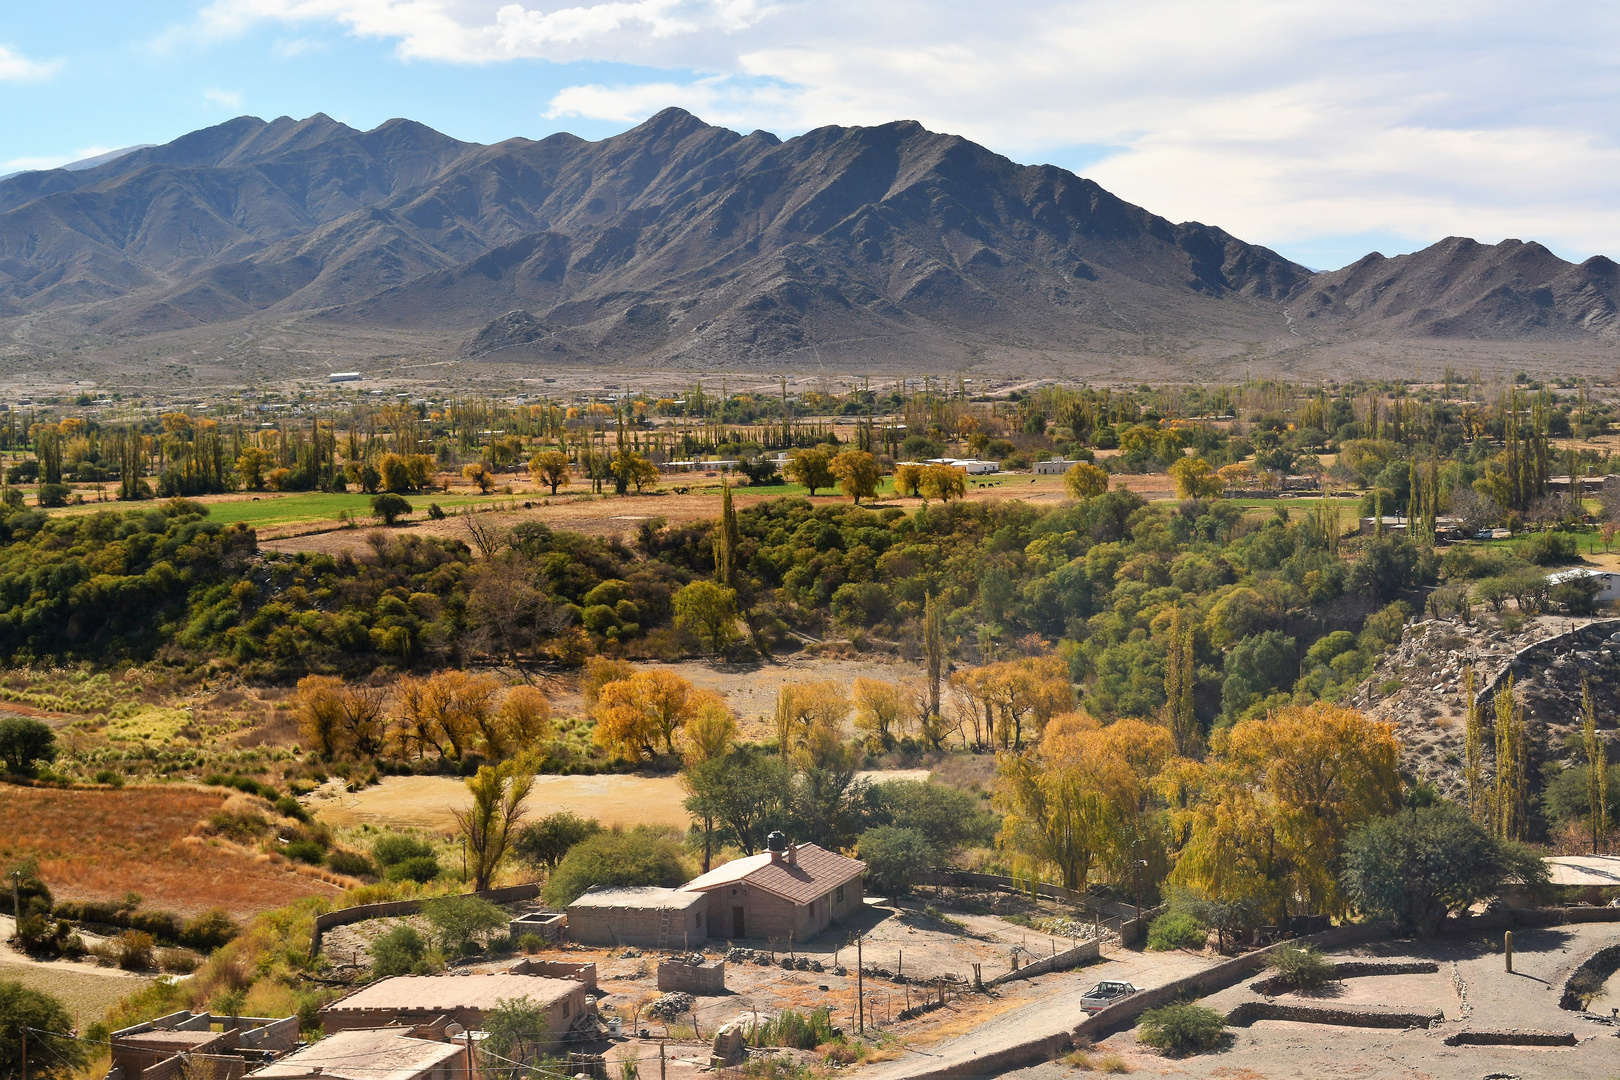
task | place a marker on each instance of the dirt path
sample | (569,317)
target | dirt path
(1051,1008)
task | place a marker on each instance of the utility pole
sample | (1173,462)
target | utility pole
(16,905)
(25,1048)
(860,994)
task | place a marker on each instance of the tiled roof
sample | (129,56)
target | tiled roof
(366,1054)
(815,872)
(447,993)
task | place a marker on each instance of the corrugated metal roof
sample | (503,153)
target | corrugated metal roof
(815,872)
(446,993)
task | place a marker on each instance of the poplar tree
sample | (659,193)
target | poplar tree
(1178,683)
(1510,765)
(1597,767)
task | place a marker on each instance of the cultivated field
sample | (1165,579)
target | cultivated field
(98,844)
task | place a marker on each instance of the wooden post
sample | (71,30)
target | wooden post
(900,964)
(860,994)
(470,1062)
(662,1065)
(25,1052)
(1507,948)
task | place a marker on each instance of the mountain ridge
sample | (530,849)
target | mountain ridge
(680,241)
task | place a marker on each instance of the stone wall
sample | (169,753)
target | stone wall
(705,978)
(395,908)
(556,969)
(1069,958)
(1342,1016)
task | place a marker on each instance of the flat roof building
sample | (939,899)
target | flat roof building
(390,1053)
(420,999)
(646,916)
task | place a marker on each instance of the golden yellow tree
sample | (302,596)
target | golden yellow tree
(1270,811)
(525,718)
(879,711)
(633,714)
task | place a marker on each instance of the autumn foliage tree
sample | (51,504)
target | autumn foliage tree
(1267,816)
(634,715)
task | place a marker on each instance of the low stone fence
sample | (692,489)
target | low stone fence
(1211,980)
(1593,972)
(1353,969)
(1343,1016)
(1069,958)
(395,908)
(1511,1037)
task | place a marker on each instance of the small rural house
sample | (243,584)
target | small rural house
(424,1052)
(181,1042)
(787,891)
(1607,582)
(1054,466)
(646,916)
(414,1000)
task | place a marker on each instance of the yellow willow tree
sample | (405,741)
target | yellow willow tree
(633,714)
(498,793)
(1069,802)
(1270,810)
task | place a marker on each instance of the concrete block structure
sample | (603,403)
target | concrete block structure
(181,1042)
(423,1052)
(547,925)
(704,977)
(647,917)
(1054,466)
(556,969)
(789,891)
(415,1000)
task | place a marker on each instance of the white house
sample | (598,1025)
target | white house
(1608,581)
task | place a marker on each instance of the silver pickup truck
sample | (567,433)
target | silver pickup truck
(1104,994)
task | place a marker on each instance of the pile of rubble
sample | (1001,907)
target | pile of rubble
(671,1005)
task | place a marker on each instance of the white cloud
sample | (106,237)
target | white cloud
(227,99)
(28,164)
(15,67)
(1280,120)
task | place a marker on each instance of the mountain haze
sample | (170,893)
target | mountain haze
(679,242)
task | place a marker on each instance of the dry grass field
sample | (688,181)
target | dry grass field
(86,992)
(98,844)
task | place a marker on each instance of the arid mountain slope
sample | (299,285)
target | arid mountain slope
(682,242)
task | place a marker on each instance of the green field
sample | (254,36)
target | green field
(324,506)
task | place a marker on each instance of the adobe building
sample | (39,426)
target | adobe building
(426,1052)
(417,1000)
(787,891)
(646,916)
(180,1042)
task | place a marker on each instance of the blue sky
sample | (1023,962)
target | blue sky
(1321,130)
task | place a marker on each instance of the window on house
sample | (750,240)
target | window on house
(840,894)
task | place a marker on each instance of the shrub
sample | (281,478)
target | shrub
(305,851)
(801,1031)
(896,858)
(1175,930)
(178,961)
(25,743)
(134,950)
(49,1053)
(419,868)
(401,951)
(546,841)
(209,930)
(397,847)
(464,921)
(350,862)
(243,826)
(1182,1028)
(644,855)
(1302,968)
(389,507)
(287,806)
(110,778)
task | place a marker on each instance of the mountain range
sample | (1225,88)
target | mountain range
(681,243)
